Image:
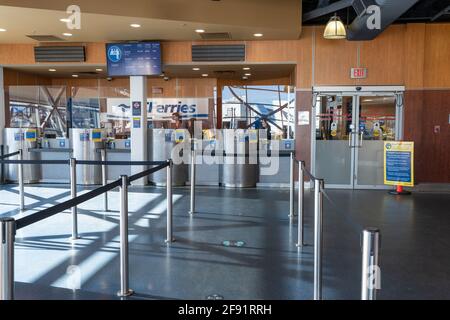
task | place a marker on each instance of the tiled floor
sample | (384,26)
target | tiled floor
(415,258)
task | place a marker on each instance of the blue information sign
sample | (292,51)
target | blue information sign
(134,59)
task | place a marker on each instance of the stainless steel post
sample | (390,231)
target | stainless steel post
(291,187)
(318,227)
(73,193)
(125,291)
(7,232)
(371,277)
(301,206)
(193,178)
(169,238)
(20,178)
(104,178)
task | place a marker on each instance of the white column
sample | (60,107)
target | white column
(138,93)
(2,105)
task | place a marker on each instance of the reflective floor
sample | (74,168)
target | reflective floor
(415,258)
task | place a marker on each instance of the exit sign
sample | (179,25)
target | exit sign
(358,73)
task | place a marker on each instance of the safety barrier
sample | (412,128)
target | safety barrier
(9,226)
(370,236)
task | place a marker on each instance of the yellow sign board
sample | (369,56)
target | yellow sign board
(399,163)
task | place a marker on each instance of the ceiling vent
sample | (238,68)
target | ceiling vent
(215,36)
(206,53)
(44,38)
(59,54)
(225,73)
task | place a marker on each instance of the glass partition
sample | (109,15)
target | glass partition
(247,106)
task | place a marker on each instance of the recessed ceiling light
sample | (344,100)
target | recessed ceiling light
(244,78)
(162,75)
(258,35)
(52,70)
(135,25)
(99,70)
(66,34)
(196,69)
(75,75)
(248,74)
(2,30)
(246,68)
(200,30)
(64,20)
(204,75)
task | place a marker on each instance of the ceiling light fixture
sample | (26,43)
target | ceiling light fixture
(248,74)
(244,78)
(204,75)
(200,30)
(335,29)
(258,35)
(75,75)
(99,70)
(66,34)
(135,25)
(246,68)
(52,70)
(2,30)
(64,20)
(196,69)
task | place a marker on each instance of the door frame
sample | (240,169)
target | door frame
(356,92)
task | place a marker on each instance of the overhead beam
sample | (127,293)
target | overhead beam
(440,14)
(339,5)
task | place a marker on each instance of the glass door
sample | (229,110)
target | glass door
(349,133)
(377,122)
(334,138)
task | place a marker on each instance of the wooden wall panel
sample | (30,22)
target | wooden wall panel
(176,52)
(271,51)
(384,57)
(437,56)
(303,77)
(333,60)
(414,56)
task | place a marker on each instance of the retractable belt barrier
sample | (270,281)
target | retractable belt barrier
(370,236)
(10,155)
(9,226)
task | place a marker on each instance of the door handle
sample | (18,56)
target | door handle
(361,137)
(350,139)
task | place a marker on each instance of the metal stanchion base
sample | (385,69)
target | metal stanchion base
(191,212)
(403,193)
(169,241)
(126,294)
(298,245)
(74,238)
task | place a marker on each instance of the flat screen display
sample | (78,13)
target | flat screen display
(133,59)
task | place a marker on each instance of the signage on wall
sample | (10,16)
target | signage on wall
(31,135)
(399,163)
(160,108)
(303,118)
(136,123)
(137,108)
(358,73)
(84,136)
(97,135)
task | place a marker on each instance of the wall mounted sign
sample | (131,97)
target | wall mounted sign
(137,108)
(18,136)
(358,73)
(84,136)
(303,118)
(160,108)
(399,163)
(136,123)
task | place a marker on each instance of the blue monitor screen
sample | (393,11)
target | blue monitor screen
(133,59)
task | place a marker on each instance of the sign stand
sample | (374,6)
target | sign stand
(400,192)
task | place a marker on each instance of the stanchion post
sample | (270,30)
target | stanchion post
(318,227)
(301,206)
(20,178)
(371,277)
(125,291)
(291,187)
(7,235)
(193,178)
(104,178)
(169,238)
(73,194)
(2,153)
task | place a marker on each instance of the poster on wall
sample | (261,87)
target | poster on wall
(399,163)
(160,108)
(137,108)
(136,123)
